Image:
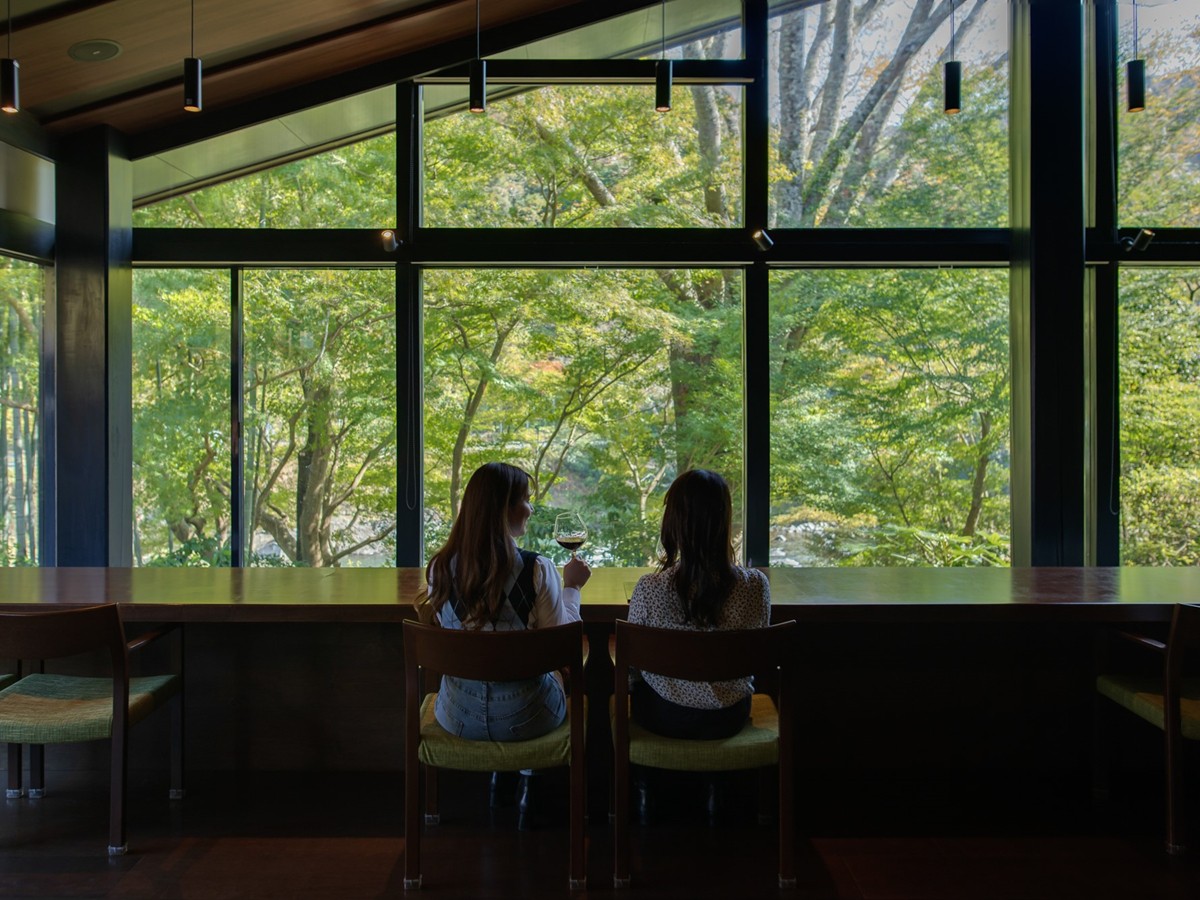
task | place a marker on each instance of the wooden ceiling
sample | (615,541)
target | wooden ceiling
(250,49)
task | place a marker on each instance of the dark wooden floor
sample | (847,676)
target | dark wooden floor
(302,836)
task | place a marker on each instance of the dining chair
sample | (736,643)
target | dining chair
(765,740)
(1170,702)
(44,708)
(488,656)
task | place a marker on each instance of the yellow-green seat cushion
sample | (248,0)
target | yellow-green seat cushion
(757,744)
(1143,696)
(444,750)
(59,709)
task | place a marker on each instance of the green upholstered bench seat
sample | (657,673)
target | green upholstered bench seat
(756,745)
(442,749)
(1142,695)
(56,709)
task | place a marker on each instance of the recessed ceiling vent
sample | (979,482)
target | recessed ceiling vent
(97,50)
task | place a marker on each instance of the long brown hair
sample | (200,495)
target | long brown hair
(696,527)
(479,544)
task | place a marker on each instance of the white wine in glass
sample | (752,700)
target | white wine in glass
(570,532)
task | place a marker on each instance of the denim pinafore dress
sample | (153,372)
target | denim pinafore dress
(501,710)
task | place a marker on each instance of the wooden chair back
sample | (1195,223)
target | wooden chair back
(64,632)
(492,655)
(704,655)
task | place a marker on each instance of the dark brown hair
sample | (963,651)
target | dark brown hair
(697,521)
(480,544)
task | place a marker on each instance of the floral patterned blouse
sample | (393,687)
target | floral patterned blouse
(656,604)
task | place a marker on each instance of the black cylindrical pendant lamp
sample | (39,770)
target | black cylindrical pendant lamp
(478,86)
(1135,84)
(662,85)
(10,85)
(193,101)
(10,74)
(953,79)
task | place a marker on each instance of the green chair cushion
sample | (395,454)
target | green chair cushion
(1143,696)
(756,745)
(59,709)
(444,750)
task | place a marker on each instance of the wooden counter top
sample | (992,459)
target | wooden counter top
(385,595)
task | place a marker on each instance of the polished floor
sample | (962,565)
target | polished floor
(301,836)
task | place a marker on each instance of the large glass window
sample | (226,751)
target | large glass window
(21,285)
(859,134)
(588,156)
(602,384)
(350,187)
(320,417)
(1160,146)
(889,418)
(1159,323)
(181,416)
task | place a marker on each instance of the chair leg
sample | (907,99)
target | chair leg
(787,841)
(116,811)
(621,821)
(14,790)
(177,787)
(578,879)
(1175,835)
(37,770)
(432,815)
(412,826)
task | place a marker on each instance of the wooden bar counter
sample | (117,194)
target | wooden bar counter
(813,595)
(302,669)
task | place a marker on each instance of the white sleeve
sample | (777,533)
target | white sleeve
(554,604)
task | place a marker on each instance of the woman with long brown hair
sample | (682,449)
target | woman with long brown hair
(697,587)
(481,580)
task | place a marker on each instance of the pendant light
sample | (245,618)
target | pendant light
(662,70)
(477,101)
(1135,73)
(952,73)
(193,74)
(10,71)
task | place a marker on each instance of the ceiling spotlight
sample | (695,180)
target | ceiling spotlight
(390,242)
(762,240)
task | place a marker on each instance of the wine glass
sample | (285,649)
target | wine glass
(570,532)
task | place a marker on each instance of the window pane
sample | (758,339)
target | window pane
(181,463)
(588,156)
(889,418)
(1160,146)
(320,417)
(603,385)
(350,187)
(1160,417)
(22,286)
(859,134)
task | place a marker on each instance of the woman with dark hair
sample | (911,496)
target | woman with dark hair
(480,580)
(697,587)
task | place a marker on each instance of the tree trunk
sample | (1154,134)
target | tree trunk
(980,481)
